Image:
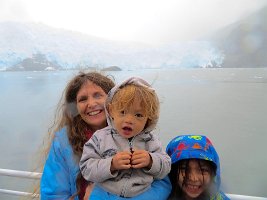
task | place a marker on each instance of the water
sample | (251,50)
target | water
(227,105)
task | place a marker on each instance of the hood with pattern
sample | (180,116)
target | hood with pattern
(194,146)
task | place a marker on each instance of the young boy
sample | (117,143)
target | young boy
(125,157)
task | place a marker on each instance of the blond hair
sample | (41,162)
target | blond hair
(149,101)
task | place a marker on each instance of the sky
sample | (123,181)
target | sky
(146,21)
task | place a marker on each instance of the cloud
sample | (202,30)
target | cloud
(191,19)
(13,10)
(149,21)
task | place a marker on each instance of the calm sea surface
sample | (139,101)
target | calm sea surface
(227,105)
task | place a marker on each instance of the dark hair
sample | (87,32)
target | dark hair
(176,192)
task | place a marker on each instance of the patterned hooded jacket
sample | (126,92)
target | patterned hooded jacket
(105,143)
(196,147)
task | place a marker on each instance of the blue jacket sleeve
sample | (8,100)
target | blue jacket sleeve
(55,183)
(160,190)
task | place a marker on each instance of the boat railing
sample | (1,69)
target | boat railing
(19,174)
(36,175)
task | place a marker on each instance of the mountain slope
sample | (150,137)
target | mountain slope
(66,49)
(244,43)
(22,40)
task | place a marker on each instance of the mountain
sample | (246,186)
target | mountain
(37,63)
(20,41)
(35,46)
(244,43)
(67,50)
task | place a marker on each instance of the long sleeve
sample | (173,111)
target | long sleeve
(97,156)
(93,167)
(161,165)
(58,182)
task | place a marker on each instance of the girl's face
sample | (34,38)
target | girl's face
(194,177)
(90,105)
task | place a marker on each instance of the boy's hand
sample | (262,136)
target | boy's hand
(121,160)
(141,159)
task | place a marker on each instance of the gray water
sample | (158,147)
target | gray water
(227,105)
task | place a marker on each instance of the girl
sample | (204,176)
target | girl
(195,170)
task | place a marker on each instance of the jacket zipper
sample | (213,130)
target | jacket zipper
(131,145)
(125,185)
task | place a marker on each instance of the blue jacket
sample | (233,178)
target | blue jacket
(62,167)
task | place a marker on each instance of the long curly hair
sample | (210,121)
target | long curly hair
(70,118)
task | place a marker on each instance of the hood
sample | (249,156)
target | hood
(194,146)
(130,81)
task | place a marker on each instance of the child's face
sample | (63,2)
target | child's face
(129,122)
(195,178)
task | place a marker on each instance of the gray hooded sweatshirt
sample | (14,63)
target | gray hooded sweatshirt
(105,143)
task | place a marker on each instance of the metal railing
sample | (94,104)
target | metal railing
(19,174)
(35,175)
(244,197)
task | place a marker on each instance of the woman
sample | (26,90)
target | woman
(80,113)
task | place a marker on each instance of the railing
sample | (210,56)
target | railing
(244,197)
(19,174)
(35,175)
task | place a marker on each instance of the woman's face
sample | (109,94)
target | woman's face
(90,105)
(194,178)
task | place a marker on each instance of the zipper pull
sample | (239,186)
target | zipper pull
(131,144)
